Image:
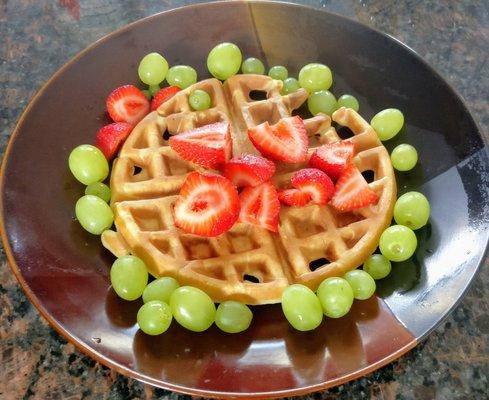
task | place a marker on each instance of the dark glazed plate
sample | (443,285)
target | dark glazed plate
(64,270)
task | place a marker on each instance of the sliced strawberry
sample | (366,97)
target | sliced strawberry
(315,183)
(208,204)
(260,206)
(209,146)
(110,138)
(352,191)
(285,141)
(332,158)
(294,197)
(249,170)
(127,104)
(163,95)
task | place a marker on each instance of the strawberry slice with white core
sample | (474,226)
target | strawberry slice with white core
(285,141)
(127,104)
(260,206)
(315,183)
(352,191)
(249,170)
(294,197)
(209,146)
(208,205)
(332,158)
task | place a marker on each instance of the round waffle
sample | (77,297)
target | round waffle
(247,263)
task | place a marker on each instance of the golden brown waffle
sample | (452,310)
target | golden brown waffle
(247,263)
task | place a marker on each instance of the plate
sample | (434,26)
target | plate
(64,270)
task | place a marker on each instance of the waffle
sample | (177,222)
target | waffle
(247,263)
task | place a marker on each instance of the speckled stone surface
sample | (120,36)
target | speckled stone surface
(38,36)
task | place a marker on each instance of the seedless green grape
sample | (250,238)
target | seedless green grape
(160,289)
(153,89)
(398,243)
(291,85)
(412,209)
(233,317)
(147,93)
(404,157)
(99,189)
(348,101)
(278,72)
(322,101)
(362,284)
(129,277)
(93,214)
(192,308)
(199,100)
(301,307)
(182,76)
(336,297)
(314,77)
(88,164)
(224,60)
(152,69)
(253,65)
(387,123)
(154,317)
(377,266)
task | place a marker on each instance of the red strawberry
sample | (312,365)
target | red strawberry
(294,197)
(209,146)
(352,191)
(285,141)
(208,205)
(260,206)
(249,170)
(315,183)
(163,95)
(332,158)
(110,138)
(127,104)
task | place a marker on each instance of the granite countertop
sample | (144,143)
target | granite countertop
(38,36)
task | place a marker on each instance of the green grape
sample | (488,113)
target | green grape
(348,101)
(252,65)
(199,100)
(362,284)
(278,72)
(88,164)
(291,85)
(314,77)
(412,209)
(154,317)
(160,289)
(146,93)
(377,266)
(99,189)
(404,157)
(387,123)
(182,76)
(336,297)
(129,277)
(152,69)
(93,214)
(233,317)
(301,307)
(192,308)
(153,89)
(398,243)
(224,61)
(322,101)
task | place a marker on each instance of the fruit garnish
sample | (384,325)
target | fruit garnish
(127,104)
(285,141)
(322,101)
(208,204)
(387,123)
(314,77)
(398,243)
(209,146)
(260,206)
(163,95)
(352,191)
(110,138)
(199,100)
(249,170)
(88,164)
(315,183)
(182,76)
(332,158)
(278,72)
(294,197)
(152,69)
(252,65)
(224,60)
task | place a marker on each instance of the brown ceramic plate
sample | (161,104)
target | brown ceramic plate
(64,270)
